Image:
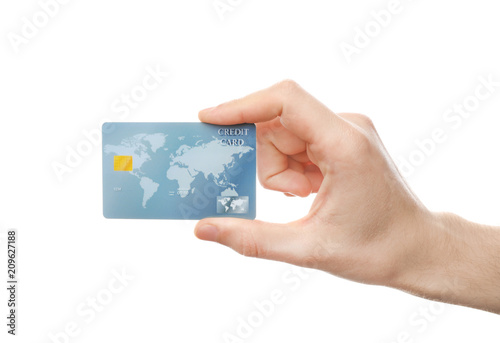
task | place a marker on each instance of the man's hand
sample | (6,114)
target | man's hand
(365,223)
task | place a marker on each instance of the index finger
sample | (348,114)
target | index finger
(300,112)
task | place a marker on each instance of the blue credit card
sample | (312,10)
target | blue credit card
(178,170)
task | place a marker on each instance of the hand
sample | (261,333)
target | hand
(357,225)
(365,224)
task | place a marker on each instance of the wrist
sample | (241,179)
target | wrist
(452,260)
(426,256)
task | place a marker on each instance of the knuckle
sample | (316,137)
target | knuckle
(288,86)
(317,256)
(354,143)
(312,262)
(264,180)
(362,142)
(247,246)
(361,146)
(264,133)
(316,249)
(365,121)
(264,177)
(360,120)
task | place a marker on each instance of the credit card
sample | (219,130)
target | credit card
(178,170)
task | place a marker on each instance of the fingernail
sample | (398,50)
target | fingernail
(207,109)
(207,233)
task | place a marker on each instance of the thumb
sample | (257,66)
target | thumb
(280,242)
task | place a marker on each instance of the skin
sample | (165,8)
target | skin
(365,223)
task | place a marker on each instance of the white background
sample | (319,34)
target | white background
(67,76)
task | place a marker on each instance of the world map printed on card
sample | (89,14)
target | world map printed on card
(178,170)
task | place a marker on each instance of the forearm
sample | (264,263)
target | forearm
(455,261)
